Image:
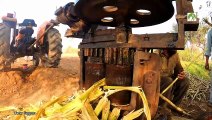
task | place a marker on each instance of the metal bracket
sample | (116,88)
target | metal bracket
(146,37)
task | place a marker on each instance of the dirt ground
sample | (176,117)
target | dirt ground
(19,88)
(197,110)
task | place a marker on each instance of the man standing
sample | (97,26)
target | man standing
(208,54)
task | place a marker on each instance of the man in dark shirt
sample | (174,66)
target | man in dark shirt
(28,31)
(24,38)
(171,69)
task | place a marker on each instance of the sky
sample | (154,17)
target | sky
(40,11)
(43,10)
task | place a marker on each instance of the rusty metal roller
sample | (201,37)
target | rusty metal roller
(134,13)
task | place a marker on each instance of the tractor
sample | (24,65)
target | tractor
(110,50)
(16,43)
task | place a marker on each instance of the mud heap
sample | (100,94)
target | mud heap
(21,88)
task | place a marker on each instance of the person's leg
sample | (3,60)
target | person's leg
(210,99)
(179,91)
(20,46)
(164,113)
(164,83)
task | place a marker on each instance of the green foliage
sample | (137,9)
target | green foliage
(193,63)
(195,37)
(193,55)
(196,69)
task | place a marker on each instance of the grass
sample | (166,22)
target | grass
(193,62)
(196,69)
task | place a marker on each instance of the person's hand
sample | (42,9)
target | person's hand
(205,20)
(16,41)
(181,75)
(207,66)
(55,22)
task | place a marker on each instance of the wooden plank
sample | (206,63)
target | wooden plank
(121,34)
(106,53)
(181,33)
(166,40)
(180,6)
(100,53)
(146,75)
(115,54)
(82,69)
(104,32)
(110,55)
(154,41)
(120,56)
(126,56)
(188,7)
(102,38)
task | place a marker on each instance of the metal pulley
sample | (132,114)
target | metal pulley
(133,13)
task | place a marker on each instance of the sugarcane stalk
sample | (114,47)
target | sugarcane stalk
(106,111)
(42,109)
(114,114)
(134,114)
(101,104)
(90,111)
(173,105)
(137,90)
(169,86)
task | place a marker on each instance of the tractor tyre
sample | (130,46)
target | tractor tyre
(35,60)
(4,45)
(53,49)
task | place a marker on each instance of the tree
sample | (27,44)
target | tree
(195,38)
